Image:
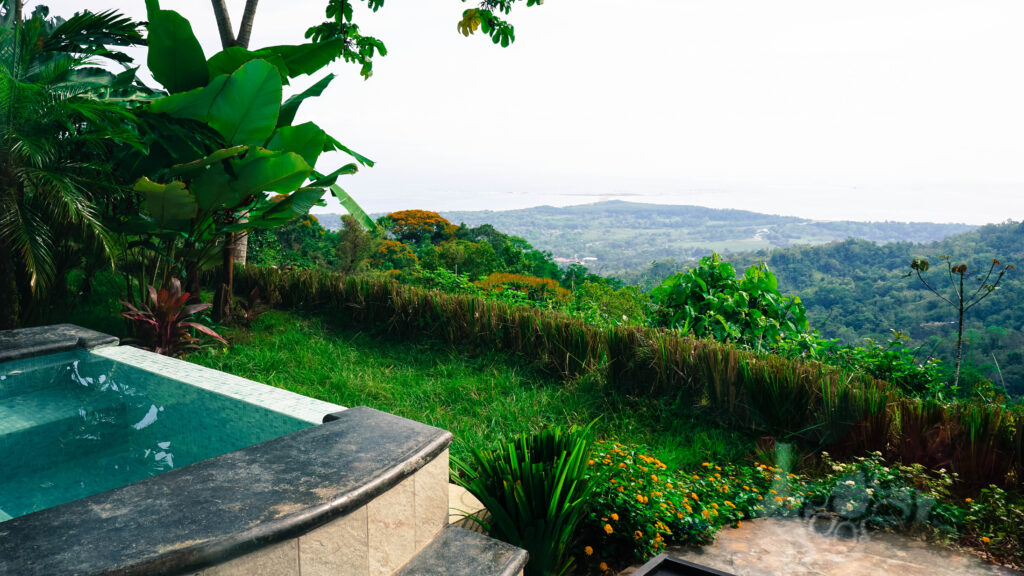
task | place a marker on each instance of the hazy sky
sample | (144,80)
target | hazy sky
(866,110)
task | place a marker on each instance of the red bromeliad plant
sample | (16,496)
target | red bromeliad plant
(165,326)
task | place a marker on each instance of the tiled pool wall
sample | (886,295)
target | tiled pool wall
(276,399)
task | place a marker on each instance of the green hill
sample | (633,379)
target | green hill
(624,236)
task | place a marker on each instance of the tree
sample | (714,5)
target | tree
(56,139)
(961,300)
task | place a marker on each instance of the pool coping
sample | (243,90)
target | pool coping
(275,399)
(51,339)
(219,509)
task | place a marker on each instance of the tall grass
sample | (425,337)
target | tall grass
(819,405)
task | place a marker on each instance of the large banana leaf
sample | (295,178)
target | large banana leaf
(175,57)
(278,172)
(245,111)
(170,205)
(231,59)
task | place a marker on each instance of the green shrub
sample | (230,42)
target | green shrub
(994,522)
(710,302)
(535,488)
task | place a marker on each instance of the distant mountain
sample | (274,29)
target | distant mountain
(626,236)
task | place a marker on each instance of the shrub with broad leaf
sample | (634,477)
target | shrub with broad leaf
(166,324)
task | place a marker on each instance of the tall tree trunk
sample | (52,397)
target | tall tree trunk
(245,30)
(244,34)
(225,292)
(959,335)
(10,303)
(220,12)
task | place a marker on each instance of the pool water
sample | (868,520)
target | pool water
(75,424)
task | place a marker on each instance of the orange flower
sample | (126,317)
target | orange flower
(588,551)
(604,567)
(615,517)
(608,528)
(985,539)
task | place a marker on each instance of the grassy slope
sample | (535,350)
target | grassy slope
(478,397)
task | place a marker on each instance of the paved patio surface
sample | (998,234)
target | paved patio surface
(791,547)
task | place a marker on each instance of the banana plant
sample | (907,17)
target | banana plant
(257,169)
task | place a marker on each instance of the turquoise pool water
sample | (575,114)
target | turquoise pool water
(76,424)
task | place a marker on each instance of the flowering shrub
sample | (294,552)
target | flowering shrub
(638,507)
(995,522)
(536,289)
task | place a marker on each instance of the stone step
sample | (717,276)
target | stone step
(460,552)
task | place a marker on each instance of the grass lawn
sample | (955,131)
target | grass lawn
(479,397)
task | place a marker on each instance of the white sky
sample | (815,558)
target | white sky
(866,110)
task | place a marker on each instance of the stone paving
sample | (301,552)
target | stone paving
(781,547)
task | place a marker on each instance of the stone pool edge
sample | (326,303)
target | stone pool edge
(210,522)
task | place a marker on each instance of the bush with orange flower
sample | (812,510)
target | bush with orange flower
(416,226)
(639,507)
(531,288)
(393,255)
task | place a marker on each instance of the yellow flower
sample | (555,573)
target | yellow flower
(608,528)
(968,500)
(588,551)
(615,516)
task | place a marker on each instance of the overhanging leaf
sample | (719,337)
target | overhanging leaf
(307,58)
(352,207)
(322,180)
(291,105)
(333,144)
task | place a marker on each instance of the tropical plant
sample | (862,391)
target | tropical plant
(709,302)
(198,199)
(56,138)
(962,300)
(250,309)
(165,325)
(535,489)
